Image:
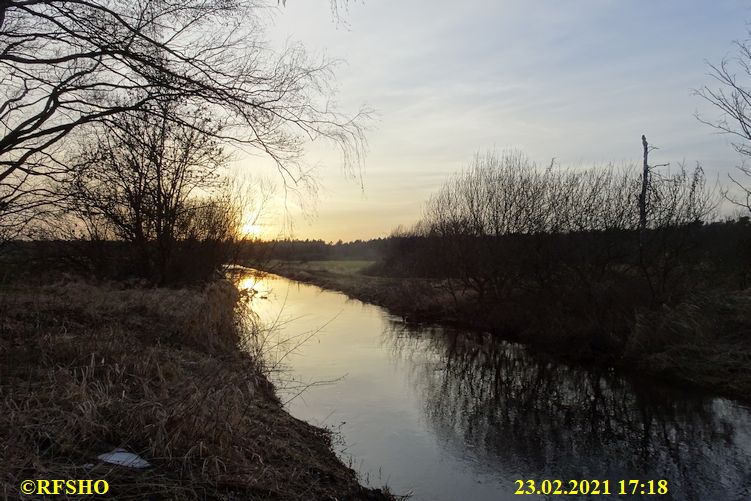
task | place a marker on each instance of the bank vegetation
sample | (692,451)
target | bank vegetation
(591,265)
(167,374)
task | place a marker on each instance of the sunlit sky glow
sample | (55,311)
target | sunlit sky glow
(579,80)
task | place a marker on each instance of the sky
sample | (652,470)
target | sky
(579,80)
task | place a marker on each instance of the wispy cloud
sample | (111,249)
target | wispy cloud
(579,80)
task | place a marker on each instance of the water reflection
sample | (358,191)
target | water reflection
(544,420)
(452,416)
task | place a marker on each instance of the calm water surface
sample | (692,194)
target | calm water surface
(447,415)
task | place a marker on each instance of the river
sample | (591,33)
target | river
(448,415)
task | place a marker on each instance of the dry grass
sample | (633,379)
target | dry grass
(333,266)
(705,341)
(87,368)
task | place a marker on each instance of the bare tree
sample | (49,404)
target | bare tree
(504,223)
(66,64)
(26,201)
(138,179)
(643,201)
(733,100)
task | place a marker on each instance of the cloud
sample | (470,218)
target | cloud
(579,80)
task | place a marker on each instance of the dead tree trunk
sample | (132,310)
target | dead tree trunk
(644,187)
(644,213)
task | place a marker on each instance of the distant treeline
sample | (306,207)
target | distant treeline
(191,259)
(721,246)
(316,250)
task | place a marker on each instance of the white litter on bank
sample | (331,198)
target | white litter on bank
(124,458)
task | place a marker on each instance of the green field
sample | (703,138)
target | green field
(341,267)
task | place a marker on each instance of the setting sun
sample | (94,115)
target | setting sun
(251,229)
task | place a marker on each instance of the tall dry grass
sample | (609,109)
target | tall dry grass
(86,368)
(705,340)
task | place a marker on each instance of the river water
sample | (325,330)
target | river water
(448,415)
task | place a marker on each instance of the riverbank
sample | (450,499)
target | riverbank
(87,368)
(704,344)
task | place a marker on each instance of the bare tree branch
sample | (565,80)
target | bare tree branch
(66,65)
(733,100)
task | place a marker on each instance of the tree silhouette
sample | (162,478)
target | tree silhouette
(69,65)
(732,98)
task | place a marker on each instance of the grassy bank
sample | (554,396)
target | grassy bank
(88,368)
(703,342)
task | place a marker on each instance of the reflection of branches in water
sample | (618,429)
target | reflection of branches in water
(270,344)
(544,419)
(301,388)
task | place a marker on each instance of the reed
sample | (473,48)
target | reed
(86,368)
